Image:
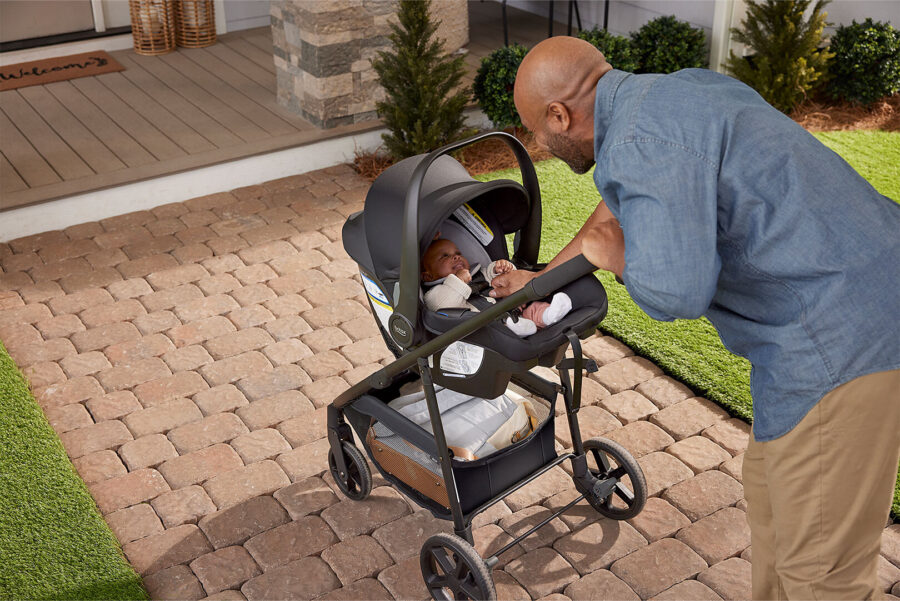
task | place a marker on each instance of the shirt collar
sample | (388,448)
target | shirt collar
(603,104)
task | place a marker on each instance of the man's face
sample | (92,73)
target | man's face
(579,160)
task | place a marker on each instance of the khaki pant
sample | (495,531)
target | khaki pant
(819,496)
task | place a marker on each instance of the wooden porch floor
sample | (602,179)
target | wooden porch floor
(172,113)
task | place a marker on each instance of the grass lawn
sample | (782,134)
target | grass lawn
(53,542)
(690,350)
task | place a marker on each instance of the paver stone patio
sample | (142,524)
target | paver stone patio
(185,356)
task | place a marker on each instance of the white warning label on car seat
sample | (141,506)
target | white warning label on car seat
(462,358)
(378,299)
(475,224)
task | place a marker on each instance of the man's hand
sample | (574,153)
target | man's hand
(464,275)
(510,282)
(604,246)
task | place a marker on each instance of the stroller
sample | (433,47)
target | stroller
(472,353)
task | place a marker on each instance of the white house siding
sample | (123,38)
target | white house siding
(843,12)
(626,16)
(245,14)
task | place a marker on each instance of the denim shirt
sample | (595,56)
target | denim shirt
(733,211)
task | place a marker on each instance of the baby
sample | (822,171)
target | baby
(444,260)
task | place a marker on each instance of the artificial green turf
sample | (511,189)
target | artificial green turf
(690,350)
(53,542)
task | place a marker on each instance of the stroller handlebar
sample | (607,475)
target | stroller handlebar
(537,288)
(556,278)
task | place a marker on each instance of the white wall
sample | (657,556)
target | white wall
(246,14)
(843,12)
(626,16)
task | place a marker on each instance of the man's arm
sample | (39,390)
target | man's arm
(508,283)
(669,214)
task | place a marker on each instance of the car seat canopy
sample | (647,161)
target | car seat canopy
(447,187)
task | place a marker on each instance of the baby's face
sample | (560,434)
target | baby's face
(441,259)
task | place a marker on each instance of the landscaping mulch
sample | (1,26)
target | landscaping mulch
(484,157)
(816,115)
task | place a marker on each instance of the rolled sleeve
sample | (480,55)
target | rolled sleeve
(666,198)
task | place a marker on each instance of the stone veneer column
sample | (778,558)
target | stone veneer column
(324,50)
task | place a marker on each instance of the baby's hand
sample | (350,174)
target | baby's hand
(464,275)
(503,266)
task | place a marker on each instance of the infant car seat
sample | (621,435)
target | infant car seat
(478,217)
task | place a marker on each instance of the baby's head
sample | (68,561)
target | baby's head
(442,258)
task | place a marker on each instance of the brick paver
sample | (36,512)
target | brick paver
(224,569)
(186,355)
(177,582)
(233,526)
(658,566)
(185,505)
(133,523)
(718,536)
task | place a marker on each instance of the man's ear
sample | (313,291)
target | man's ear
(559,119)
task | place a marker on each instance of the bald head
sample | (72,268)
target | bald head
(560,69)
(554,95)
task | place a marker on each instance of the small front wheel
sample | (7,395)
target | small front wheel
(356,482)
(452,569)
(609,463)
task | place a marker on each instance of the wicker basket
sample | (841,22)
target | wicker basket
(153,26)
(195,23)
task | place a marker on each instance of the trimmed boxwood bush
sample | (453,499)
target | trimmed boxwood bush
(493,85)
(866,64)
(617,49)
(666,45)
(788,60)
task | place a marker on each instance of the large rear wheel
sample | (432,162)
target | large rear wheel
(620,489)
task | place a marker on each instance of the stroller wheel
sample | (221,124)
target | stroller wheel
(357,482)
(452,569)
(611,495)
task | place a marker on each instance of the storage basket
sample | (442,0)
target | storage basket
(195,23)
(419,475)
(153,26)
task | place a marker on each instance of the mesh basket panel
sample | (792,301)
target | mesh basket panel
(408,463)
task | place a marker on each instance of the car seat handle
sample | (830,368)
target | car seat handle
(402,322)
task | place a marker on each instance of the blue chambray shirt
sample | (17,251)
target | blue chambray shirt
(733,211)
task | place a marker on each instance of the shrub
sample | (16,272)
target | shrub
(617,49)
(866,64)
(493,85)
(788,61)
(421,111)
(666,45)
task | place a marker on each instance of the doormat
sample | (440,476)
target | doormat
(61,68)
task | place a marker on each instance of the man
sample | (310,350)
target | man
(729,209)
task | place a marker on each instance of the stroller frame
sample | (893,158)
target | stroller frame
(596,484)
